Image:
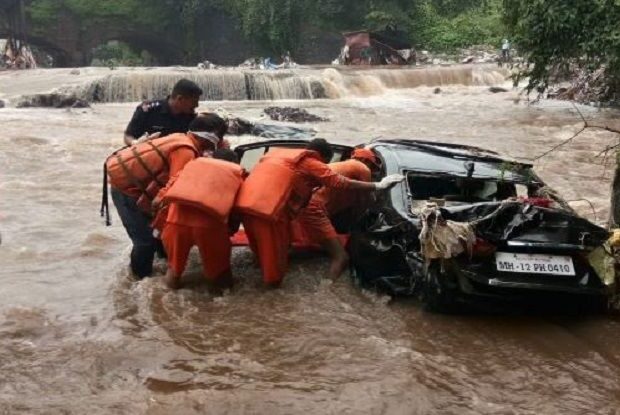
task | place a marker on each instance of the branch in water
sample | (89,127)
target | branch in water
(563,143)
(586,125)
(607,150)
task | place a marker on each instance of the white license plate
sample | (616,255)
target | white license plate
(534,263)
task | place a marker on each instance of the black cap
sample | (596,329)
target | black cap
(209,122)
(226,154)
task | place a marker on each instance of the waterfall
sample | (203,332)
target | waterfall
(132,85)
(218,85)
(377,81)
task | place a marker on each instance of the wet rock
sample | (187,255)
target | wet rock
(75,71)
(238,126)
(80,103)
(52,100)
(2,104)
(437,91)
(317,89)
(291,114)
(557,93)
(468,59)
(496,89)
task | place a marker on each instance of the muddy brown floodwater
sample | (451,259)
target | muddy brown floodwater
(78,336)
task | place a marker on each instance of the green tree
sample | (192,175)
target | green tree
(559,36)
(274,26)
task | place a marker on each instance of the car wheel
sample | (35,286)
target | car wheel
(436,295)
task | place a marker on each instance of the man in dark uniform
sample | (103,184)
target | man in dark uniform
(163,117)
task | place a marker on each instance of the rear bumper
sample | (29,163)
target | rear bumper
(475,282)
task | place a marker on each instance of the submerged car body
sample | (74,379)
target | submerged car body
(528,242)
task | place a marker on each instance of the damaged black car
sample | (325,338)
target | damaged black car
(468,227)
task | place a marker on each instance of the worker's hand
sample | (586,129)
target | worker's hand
(146,138)
(389,181)
(153,136)
(156,204)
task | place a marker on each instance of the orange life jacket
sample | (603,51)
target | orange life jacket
(208,184)
(275,187)
(144,168)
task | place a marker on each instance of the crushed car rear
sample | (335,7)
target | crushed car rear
(469,226)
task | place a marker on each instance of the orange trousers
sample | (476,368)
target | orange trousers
(270,242)
(213,244)
(314,221)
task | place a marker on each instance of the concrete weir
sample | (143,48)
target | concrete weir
(137,84)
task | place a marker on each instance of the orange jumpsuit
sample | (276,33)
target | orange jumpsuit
(187,226)
(177,161)
(270,240)
(314,221)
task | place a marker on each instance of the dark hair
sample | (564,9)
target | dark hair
(226,154)
(186,88)
(321,146)
(209,122)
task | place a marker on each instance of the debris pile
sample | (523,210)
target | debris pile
(473,55)
(17,54)
(268,64)
(588,88)
(441,238)
(385,47)
(291,114)
(206,65)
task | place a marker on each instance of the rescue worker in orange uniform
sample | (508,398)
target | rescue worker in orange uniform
(326,203)
(280,185)
(138,173)
(201,198)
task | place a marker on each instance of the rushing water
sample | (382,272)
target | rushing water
(135,84)
(78,336)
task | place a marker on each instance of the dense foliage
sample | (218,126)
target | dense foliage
(92,12)
(275,25)
(564,36)
(115,53)
(431,24)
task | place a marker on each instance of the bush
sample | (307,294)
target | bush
(115,53)
(565,36)
(478,26)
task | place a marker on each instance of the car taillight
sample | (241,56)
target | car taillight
(537,201)
(483,248)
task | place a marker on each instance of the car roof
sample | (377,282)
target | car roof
(448,158)
(431,157)
(274,142)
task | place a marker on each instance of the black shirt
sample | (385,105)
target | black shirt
(155,116)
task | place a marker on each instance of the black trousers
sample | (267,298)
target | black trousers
(138,227)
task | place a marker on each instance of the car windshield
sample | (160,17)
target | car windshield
(252,155)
